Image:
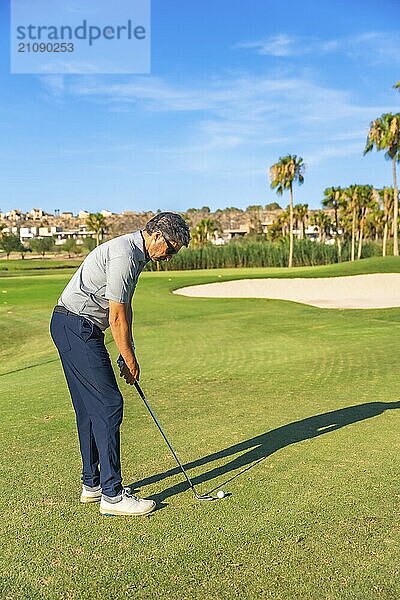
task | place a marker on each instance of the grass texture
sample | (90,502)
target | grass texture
(291,409)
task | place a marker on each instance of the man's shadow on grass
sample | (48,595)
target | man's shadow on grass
(260,447)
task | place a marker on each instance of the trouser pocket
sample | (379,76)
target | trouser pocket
(94,344)
(58,333)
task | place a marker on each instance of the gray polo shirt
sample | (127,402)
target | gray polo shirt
(109,272)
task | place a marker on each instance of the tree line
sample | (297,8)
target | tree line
(356,202)
(359,212)
(11,242)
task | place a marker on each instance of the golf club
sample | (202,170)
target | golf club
(191,484)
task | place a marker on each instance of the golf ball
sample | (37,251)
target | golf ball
(221,494)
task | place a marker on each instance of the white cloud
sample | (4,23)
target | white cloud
(373,47)
(54,84)
(236,122)
(277,45)
(233,106)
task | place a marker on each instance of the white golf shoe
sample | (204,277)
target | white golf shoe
(90,494)
(128,505)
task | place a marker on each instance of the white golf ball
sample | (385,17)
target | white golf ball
(221,494)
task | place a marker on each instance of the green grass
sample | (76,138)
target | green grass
(14,267)
(291,408)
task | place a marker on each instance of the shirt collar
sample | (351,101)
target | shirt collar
(142,246)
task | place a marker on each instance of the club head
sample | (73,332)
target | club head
(203,496)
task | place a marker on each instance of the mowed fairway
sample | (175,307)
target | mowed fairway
(293,410)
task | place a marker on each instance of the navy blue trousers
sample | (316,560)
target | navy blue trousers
(96,398)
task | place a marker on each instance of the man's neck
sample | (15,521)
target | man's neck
(146,243)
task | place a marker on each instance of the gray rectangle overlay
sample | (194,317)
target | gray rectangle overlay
(80,36)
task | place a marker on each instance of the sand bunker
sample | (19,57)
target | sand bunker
(380,290)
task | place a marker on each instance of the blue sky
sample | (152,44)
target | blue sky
(234,85)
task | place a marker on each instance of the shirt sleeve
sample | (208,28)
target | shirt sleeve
(120,279)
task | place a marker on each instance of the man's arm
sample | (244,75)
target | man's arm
(120,319)
(129,318)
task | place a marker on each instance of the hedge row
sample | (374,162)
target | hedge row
(261,254)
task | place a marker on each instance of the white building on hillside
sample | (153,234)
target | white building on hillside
(28,233)
(15,215)
(76,234)
(48,231)
(13,230)
(36,214)
(229,234)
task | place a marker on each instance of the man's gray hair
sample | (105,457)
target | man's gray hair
(171,225)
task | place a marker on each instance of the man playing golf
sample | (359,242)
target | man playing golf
(99,295)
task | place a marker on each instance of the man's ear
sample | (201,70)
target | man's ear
(157,235)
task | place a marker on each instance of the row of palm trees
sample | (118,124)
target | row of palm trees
(359,212)
(355,203)
(362,209)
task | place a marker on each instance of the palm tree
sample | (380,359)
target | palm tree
(274,231)
(366,203)
(323,222)
(202,233)
(333,198)
(254,215)
(345,216)
(279,228)
(284,221)
(375,223)
(384,134)
(387,197)
(283,174)
(352,195)
(300,213)
(97,223)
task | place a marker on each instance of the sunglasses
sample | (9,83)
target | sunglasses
(171,250)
